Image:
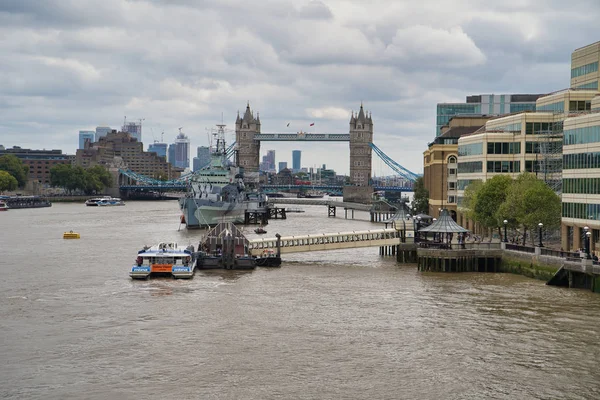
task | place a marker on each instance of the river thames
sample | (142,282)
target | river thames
(344,324)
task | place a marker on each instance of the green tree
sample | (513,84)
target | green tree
(530,201)
(14,166)
(7,182)
(487,202)
(102,175)
(59,175)
(470,198)
(90,181)
(420,203)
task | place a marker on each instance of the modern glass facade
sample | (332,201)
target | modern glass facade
(470,167)
(584,69)
(581,185)
(558,107)
(504,148)
(159,148)
(102,131)
(445,111)
(509,128)
(581,210)
(470,149)
(589,85)
(462,184)
(86,135)
(520,107)
(504,166)
(543,128)
(581,160)
(588,134)
(489,104)
(581,105)
(296,156)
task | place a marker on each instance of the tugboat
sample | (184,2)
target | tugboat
(164,259)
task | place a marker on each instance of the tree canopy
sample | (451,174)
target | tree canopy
(7,182)
(490,197)
(14,166)
(523,202)
(90,181)
(420,203)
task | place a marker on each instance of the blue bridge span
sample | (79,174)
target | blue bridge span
(132,181)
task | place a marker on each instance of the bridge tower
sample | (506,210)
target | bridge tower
(361,134)
(248,148)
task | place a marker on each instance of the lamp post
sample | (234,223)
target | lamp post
(418,227)
(505,237)
(540,225)
(587,235)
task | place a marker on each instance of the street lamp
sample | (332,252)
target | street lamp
(587,235)
(540,225)
(505,237)
(418,227)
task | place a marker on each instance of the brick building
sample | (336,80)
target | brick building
(39,161)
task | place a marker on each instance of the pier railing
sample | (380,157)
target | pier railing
(518,247)
(460,246)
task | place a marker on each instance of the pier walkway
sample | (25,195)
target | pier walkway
(330,241)
(321,202)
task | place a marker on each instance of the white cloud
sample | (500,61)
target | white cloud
(329,113)
(84,70)
(431,48)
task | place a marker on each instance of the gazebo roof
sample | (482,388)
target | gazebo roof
(444,224)
(400,215)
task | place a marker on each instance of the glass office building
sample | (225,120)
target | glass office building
(485,104)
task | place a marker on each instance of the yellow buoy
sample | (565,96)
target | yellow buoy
(71,235)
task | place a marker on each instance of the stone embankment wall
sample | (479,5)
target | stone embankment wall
(530,265)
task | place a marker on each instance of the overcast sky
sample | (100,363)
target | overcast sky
(70,65)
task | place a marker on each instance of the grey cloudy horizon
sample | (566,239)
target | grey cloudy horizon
(70,65)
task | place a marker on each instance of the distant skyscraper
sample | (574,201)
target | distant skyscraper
(134,129)
(296,155)
(202,159)
(159,148)
(102,131)
(86,135)
(182,151)
(271,159)
(171,153)
(282,165)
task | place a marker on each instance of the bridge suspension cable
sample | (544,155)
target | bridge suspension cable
(397,168)
(182,180)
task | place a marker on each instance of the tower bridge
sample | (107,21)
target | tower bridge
(248,137)
(247,150)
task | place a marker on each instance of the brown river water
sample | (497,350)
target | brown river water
(344,324)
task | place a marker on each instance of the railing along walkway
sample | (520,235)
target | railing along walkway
(316,202)
(327,241)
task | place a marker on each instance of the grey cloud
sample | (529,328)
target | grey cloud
(315,10)
(70,65)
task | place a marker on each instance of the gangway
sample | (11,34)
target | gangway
(332,241)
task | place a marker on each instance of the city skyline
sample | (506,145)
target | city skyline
(74,66)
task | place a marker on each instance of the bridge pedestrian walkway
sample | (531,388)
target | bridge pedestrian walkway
(330,241)
(321,202)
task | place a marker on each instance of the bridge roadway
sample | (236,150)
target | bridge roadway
(329,241)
